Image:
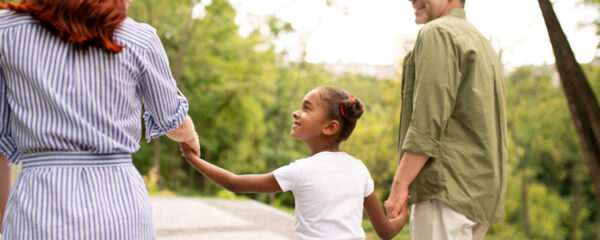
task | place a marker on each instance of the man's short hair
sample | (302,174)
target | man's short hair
(463,2)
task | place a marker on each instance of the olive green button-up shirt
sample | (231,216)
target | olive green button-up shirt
(453,110)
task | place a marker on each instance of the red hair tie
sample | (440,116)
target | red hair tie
(342,109)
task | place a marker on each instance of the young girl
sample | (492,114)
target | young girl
(330,187)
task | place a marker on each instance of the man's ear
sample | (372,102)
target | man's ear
(332,127)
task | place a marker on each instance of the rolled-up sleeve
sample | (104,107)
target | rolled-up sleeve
(8,148)
(165,106)
(437,78)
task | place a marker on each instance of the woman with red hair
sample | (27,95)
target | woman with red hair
(72,77)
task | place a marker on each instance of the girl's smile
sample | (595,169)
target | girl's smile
(308,120)
(320,120)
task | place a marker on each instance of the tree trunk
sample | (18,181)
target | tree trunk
(582,102)
(598,228)
(156,161)
(575,209)
(182,47)
(525,202)
(156,142)
(175,164)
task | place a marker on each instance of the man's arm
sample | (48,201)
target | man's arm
(436,84)
(4,186)
(410,166)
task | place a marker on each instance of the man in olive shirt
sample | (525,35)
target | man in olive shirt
(452,128)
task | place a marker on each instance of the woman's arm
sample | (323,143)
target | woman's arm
(385,228)
(255,183)
(4,186)
(186,133)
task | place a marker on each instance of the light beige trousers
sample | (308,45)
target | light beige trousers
(435,220)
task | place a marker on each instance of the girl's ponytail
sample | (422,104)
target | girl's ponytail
(344,107)
(351,108)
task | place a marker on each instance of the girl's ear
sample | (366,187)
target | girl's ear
(332,127)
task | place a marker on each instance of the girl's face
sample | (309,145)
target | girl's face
(309,120)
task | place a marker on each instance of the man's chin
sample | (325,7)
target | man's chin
(420,20)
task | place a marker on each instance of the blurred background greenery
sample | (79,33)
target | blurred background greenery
(242,93)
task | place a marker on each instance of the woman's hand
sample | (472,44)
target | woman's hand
(191,146)
(186,135)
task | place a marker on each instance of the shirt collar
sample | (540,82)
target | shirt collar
(457,12)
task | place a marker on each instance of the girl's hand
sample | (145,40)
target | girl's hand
(191,145)
(188,152)
(385,228)
(404,212)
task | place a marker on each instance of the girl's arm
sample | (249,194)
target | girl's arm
(385,228)
(4,185)
(254,183)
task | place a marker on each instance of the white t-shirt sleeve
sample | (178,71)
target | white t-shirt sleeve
(288,176)
(369,184)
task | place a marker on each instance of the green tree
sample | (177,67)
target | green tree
(223,78)
(550,195)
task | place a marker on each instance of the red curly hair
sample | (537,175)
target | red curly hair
(81,22)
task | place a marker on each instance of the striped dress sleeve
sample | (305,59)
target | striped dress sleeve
(165,106)
(8,148)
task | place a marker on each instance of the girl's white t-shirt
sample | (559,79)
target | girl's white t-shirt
(329,188)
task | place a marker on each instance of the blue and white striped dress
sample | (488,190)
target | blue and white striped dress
(72,118)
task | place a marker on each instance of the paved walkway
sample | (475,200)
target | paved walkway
(179,218)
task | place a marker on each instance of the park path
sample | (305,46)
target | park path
(190,218)
(194,218)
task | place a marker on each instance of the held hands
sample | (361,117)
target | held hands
(190,147)
(186,135)
(410,166)
(397,203)
(400,220)
(404,210)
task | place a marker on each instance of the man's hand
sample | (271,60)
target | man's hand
(397,201)
(410,165)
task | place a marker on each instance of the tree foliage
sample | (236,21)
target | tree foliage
(242,94)
(544,152)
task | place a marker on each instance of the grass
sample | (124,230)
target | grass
(371,235)
(288,210)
